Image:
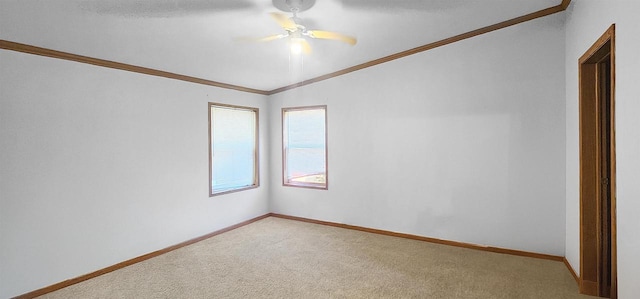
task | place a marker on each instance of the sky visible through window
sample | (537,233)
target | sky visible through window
(233,148)
(305,146)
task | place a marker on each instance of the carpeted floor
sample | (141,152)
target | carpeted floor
(278,258)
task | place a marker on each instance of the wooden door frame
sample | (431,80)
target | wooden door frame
(590,175)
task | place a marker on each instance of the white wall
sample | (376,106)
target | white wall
(99,166)
(464,142)
(587,20)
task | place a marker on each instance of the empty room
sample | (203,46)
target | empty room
(319,149)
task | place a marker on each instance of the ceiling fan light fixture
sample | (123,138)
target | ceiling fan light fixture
(299,45)
(296,48)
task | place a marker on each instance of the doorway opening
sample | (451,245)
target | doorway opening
(598,270)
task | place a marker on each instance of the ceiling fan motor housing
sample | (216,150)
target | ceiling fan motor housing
(293,5)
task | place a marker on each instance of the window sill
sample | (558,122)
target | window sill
(308,186)
(233,190)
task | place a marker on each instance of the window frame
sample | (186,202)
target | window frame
(256,164)
(324,186)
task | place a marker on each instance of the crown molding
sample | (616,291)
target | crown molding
(24,48)
(440,43)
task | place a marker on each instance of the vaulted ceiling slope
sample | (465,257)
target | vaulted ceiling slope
(198,40)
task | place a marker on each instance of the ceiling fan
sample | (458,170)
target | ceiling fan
(296,31)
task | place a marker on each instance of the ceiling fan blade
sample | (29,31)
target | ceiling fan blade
(261,39)
(332,35)
(271,37)
(284,21)
(306,48)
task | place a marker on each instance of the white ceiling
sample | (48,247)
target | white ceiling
(199,37)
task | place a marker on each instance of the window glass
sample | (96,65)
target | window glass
(305,147)
(233,148)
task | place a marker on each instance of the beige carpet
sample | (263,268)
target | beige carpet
(278,258)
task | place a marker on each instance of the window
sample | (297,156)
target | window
(304,148)
(233,148)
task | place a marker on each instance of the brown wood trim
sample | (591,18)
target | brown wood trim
(256,174)
(426,239)
(440,43)
(588,183)
(573,272)
(18,47)
(132,261)
(613,165)
(565,4)
(589,287)
(606,36)
(590,168)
